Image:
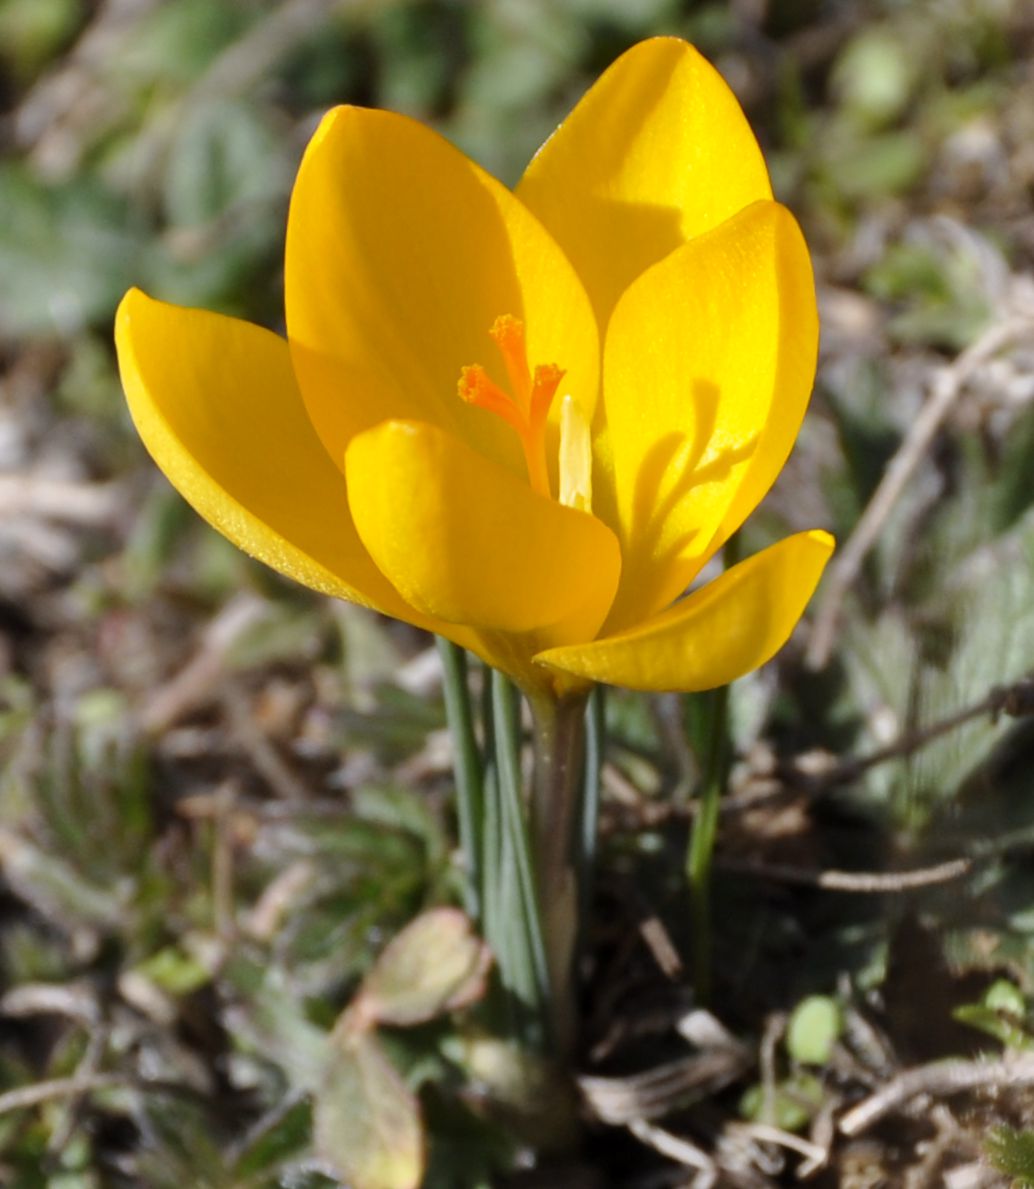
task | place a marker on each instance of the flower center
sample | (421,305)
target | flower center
(526,406)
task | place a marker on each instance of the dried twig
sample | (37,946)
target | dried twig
(223,862)
(63,115)
(928,1172)
(194,683)
(235,71)
(36,495)
(658,941)
(89,1066)
(27,1096)
(660,1090)
(864,882)
(676,1148)
(265,758)
(267,914)
(72,97)
(940,1079)
(1015,700)
(74,1001)
(948,384)
(765,1133)
(813,773)
(252,57)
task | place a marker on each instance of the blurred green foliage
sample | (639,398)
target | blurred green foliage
(189,901)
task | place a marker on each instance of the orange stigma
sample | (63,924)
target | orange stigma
(526,407)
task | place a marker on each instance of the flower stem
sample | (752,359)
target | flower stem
(704,833)
(556,822)
(515,928)
(470,807)
(595,725)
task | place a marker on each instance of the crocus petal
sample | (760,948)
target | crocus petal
(463,539)
(656,152)
(718,633)
(708,365)
(215,401)
(401,253)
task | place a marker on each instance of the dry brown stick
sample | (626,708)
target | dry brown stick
(223,863)
(28,494)
(676,1148)
(74,1001)
(865,882)
(252,57)
(797,775)
(940,1079)
(65,112)
(74,95)
(849,770)
(1015,700)
(929,1171)
(662,949)
(766,1133)
(265,758)
(848,562)
(26,1096)
(89,1066)
(238,68)
(657,1092)
(198,679)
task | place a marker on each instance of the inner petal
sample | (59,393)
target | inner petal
(453,531)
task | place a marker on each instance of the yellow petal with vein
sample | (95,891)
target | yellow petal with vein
(401,253)
(656,152)
(215,401)
(714,635)
(708,365)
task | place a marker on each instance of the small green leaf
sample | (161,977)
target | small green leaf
(174,971)
(1012,1152)
(1004,996)
(222,157)
(791,1106)
(434,965)
(67,253)
(814,1030)
(367,1123)
(874,77)
(997,1024)
(32,31)
(1001,1013)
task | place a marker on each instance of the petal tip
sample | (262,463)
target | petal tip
(334,123)
(131,309)
(824,540)
(132,299)
(663,44)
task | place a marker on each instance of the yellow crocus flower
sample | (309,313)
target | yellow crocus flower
(524,420)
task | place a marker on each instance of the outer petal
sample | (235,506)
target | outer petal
(464,540)
(401,253)
(718,633)
(657,152)
(215,401)
(708,366)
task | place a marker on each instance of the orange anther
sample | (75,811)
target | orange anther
(508,335)
(527,409)
(547,381)
(477,388)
